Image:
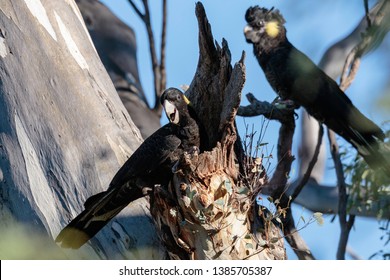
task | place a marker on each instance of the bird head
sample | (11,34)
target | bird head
(175,103)
(263,22)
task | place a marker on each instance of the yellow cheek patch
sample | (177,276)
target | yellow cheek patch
(272,29)
(186,100)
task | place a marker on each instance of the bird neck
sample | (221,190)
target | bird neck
(192,130)
(268,44)
(186,120)
(189,132)
(270,47)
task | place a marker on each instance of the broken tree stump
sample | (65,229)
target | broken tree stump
(207,211)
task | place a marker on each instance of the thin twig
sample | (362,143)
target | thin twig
(353,63)
(159,73)
(375,32)
(298,244)
(311,165)
(163,74)
(279,179)
(138,12)
(333,60)
(278,182)
(152,49)
(367,10)
(345,224)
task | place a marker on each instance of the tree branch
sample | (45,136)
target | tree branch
(206,220)
(277,185)
(333,60)
(372,37)
(321,198)
(163,73)
(159,73)
(311,165)
(138,12)
(264,108)
(318,197)
(116,45)
(278,182)
(153,54)
(367,10)
(347,77)
(343,197)
(346,80)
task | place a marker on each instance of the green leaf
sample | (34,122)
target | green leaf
(365,174)
(191,195)
(220,202)
(228,186)
(262,144)
(274,240)
(201,217)
(243,190)
(248,245)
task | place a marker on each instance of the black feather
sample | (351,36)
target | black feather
(149,165)
(294,76)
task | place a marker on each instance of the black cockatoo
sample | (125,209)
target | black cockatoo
(149,165)
(295,77)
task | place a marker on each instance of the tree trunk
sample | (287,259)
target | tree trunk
(64,133)
(208,210)
(116,45)
(63,129)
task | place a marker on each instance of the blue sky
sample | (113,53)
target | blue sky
(312,27)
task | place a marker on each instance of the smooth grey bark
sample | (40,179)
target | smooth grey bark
(116,45)
(63,129)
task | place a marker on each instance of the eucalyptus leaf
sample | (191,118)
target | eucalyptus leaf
(228,186)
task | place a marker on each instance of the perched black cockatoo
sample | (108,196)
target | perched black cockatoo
(149,165)
(295,77)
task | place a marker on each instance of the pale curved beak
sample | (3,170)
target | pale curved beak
(247,29)
(171,112)
(252,35)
